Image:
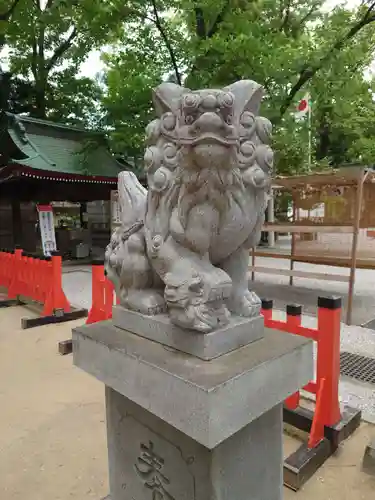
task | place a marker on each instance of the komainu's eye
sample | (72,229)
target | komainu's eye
(247,119)
(229,119)
(169,121)
(191,101)
(247,148)
(189,119)
(225,100)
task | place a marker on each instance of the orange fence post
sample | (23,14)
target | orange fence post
(3,268)
(43,278)
(317,428)
(16,267)
(7,264)
(102,294)
(328,365)
(30,277)
(60,300)
(327,335)
(108,296)
(293,320)
(267,306)
(56,299)
(97,303)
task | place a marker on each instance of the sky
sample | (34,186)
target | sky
(350,3)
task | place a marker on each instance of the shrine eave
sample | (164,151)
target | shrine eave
(17,172)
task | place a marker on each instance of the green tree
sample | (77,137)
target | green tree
(134,67)
(7,10)
(287,46)
(48,41)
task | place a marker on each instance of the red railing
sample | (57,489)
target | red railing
(327,336)
(38,279)
(103,295)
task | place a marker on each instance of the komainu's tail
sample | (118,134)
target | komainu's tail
(132,197)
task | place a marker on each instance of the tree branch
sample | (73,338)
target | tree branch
(219,19)
(158,24)
(309,72)
(5,16)
(285,14)
(61,49)
(200,23)
(168,45)
(305,18)
(34,59)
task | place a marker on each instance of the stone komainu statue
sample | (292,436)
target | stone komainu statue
(183,247)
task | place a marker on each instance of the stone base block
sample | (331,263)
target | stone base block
(240,332)
(149,459)
(207,400)
(304,462)
(368,464)
(181,428)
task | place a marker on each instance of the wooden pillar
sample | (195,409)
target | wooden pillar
(16,222)
(271,218)
(82,211)
(253,263)
(293,244)
(353,263)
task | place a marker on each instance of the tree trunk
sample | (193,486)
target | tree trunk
(16,222)
(324,142)
(40,110)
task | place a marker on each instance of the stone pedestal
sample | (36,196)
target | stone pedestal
(183,428)
(368,464)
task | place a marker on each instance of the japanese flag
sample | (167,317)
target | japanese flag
(303,106)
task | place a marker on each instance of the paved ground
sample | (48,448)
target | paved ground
(306,291)
(77,284)
(52,430)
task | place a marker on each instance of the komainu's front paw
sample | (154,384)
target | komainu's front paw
(149,302)
(245,304)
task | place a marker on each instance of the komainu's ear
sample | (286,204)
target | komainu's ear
(247,96)
(166,97)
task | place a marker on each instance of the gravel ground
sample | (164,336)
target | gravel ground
(357,340)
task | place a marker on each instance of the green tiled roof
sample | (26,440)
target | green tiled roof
(60,148)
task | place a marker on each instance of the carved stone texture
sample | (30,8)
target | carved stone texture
(183,247)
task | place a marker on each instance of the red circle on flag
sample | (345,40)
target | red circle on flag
(302,105)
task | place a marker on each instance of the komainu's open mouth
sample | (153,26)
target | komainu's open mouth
(208,138)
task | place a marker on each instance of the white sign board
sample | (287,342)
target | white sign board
(115,210)
(47,229)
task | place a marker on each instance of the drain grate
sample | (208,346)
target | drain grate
(370,325)
(358,367)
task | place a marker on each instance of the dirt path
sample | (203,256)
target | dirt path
(52,434)
(52,431)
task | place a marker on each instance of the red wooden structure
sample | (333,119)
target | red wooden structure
(102,294)
(327,336)
(327,424)
(36,279)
